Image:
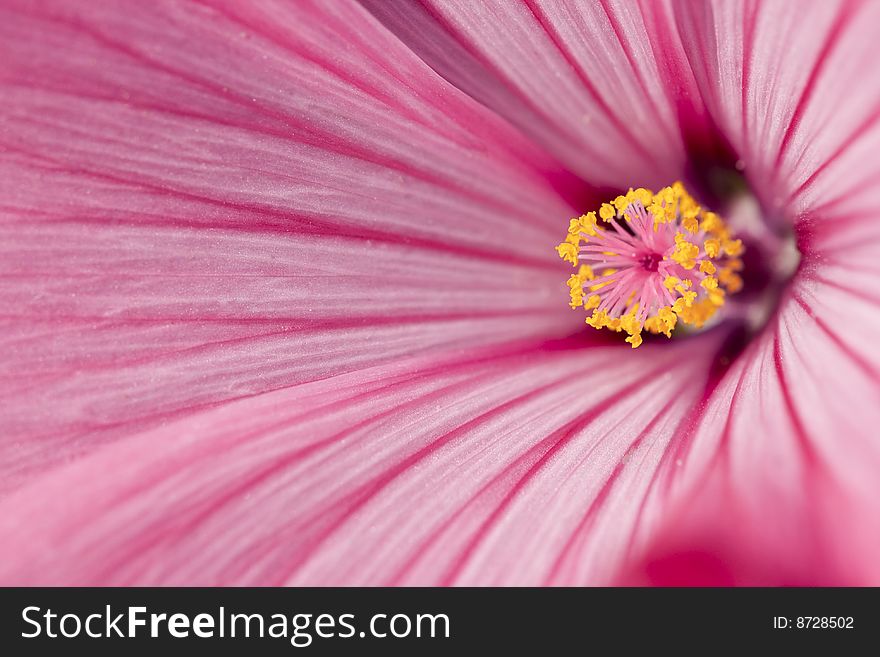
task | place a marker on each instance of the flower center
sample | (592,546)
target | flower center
(651,261)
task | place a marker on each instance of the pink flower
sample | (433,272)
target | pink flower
(281,306)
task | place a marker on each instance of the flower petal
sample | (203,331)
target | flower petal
(238,199)
(518,466)
(595,83)
(792,91)
(780,485)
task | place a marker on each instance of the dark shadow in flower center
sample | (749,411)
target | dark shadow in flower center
(770,260)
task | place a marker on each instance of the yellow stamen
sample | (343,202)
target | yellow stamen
(568,252)
(698,240)
(710,283)
(685,252)
(607,212)
(712,247)
(733,248)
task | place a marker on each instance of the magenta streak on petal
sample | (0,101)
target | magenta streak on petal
(828,206)
(859,132)
(748,529)
(485,65)
(294,117)
(139,546)
(833,38)
(323,138)
(582,528)
(834,336)
(619,32)
(564,55)
(719,455)
(306,131)
(561,46)
(432,565)
(308,225)
(565,435)
(355,498)
(815,467)
(675,68)
(807,449)
(516,469)
(851,289)
(683,437)
(842,229)
(782,119)
(748,63)
(371,489)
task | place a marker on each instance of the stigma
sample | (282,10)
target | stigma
(650,262)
